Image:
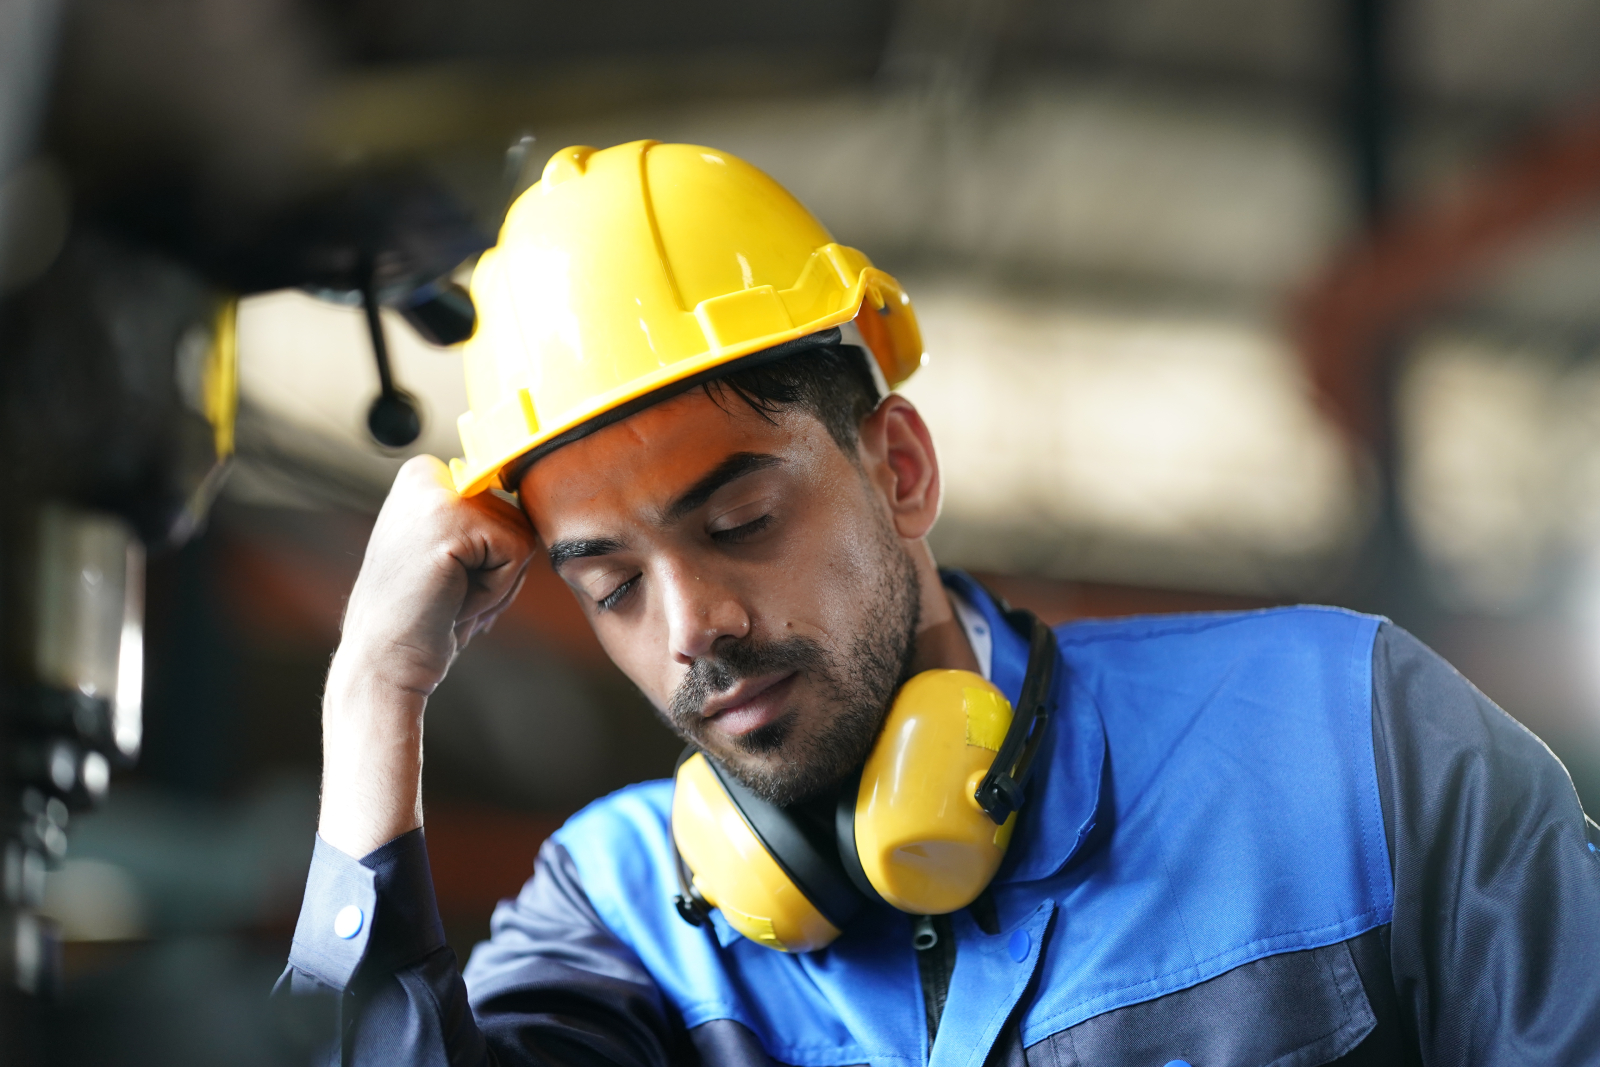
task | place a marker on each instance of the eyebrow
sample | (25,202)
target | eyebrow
(731,469)
(563,552)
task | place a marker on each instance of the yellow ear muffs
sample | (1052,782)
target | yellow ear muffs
(924,830)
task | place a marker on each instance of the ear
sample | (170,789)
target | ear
(898,457)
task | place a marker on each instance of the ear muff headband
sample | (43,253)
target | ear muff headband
(1003,789)
(815,872)
(844,830)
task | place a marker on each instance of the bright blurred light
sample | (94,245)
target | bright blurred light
(1141,447)
(127,710)
(1065,175)
(1501,465)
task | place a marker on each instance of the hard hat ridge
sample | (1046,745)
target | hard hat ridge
(629,274)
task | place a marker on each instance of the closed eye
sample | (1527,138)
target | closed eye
(617,595)
(741,533)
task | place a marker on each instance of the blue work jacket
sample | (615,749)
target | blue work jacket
(1287,837)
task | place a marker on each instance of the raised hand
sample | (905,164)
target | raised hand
(438,569)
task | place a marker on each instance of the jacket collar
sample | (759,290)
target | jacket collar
(1064,791)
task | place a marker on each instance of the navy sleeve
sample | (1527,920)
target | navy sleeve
(552,988)
(1495,943)
(553,976)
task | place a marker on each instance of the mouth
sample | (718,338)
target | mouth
(749,705)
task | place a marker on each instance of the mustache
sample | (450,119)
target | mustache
(727,666)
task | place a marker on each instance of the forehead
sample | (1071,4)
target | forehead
(647,459)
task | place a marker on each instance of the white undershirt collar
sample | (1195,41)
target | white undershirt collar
(979,635)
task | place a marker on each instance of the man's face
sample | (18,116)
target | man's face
(745,574)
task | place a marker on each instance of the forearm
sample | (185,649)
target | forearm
(371,755)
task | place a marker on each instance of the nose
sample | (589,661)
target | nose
(700,611)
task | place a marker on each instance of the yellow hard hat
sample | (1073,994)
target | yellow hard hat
(625,272)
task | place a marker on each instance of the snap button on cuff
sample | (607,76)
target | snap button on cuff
(347,923)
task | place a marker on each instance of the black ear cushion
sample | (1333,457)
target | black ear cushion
(844,828)
(819,876)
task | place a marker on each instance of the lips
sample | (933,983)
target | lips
(749,705)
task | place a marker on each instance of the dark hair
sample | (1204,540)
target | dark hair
(831,382)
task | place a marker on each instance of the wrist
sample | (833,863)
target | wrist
(376,675)
(372,755)
(371,780)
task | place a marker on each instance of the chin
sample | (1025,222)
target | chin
(791,773)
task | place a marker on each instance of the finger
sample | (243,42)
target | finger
(486,546)
(425,470)
(493,614)
(486,599)
(469,626)
(498,534)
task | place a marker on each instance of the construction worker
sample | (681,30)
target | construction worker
(912,825)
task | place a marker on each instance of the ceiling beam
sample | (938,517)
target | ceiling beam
(1418,256)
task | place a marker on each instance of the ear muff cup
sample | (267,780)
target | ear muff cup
(773,883)
(917,835)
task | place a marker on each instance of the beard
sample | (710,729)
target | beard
(856,687)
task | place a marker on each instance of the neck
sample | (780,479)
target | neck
(941,640)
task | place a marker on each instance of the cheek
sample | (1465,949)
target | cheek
(824,582)
(640,652)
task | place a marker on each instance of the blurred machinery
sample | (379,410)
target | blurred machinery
(118,391)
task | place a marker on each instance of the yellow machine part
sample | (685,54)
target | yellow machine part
(623,271)
(927,848)
(219,378)
(735,872)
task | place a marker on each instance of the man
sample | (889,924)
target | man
(1285,837)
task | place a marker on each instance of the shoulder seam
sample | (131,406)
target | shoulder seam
(1136,627)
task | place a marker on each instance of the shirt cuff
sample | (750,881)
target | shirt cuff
(376,914)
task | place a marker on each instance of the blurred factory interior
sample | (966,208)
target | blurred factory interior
(1228,303)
